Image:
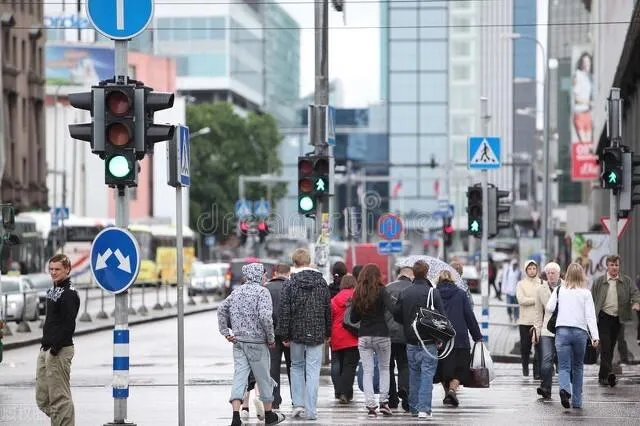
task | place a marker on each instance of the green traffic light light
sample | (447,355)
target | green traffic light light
(119,167)
(613,178)
(475,226)
(306,203)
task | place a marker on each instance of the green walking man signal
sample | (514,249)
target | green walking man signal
(475,226)
(612,177)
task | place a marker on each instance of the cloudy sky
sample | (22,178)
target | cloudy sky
(354,48)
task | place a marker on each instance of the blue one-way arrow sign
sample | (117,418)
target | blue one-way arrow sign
(115,259)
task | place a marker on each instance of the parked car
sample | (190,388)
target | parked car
(14,291)
(234,272)
(471,277)
(41,282)
(208,278)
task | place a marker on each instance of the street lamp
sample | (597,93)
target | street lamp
(545,173)
(201,132)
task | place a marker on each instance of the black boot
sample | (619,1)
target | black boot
(525,370)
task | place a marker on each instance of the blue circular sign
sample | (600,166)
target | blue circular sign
(115,259)
(390,226)
(120,19)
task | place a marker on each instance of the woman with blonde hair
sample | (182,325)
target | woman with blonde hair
(576,318)
(453,370)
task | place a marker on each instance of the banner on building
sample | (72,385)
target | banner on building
(78,64)
(584,166)
(591,251)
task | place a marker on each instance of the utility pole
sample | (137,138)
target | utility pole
(614,131)
(484,245)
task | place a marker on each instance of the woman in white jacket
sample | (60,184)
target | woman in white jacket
(576,319)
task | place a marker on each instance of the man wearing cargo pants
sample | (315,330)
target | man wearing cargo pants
(53,373)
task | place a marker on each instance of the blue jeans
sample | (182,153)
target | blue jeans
(251,357)
(571,344)
(422,368)
(305,376)
(515,312)
(548,350)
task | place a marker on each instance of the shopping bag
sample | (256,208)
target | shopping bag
(478,373)
(376,375)
(482,357)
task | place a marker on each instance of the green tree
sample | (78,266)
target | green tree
(235,146)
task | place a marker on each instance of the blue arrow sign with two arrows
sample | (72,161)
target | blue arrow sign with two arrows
(115,259)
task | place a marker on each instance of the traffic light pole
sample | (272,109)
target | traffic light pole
(484,245)
(614,128)
(121,324)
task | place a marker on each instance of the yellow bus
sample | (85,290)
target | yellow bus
(158,253)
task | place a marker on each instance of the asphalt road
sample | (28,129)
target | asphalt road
(208,372)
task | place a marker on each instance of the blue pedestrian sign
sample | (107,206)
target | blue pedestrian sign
(59,214)
(484,153)
(243,209)
(115,259)
(262,208)
(184,156)
(120,19)
(389,247)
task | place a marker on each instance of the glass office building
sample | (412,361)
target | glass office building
(415,88)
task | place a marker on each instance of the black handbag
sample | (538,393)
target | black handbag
(350,326)
(478,376)
(591,353)
(551,325)
(431,324)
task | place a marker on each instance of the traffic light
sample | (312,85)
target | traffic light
(93,132)
(263,231)
(314,174)
(474,210)
(447,232)
(496,208)
(120,137)
(611,165)
(243,227)
(630,180)
(148,103)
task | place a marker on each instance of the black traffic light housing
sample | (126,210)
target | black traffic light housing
(611,176)
(447,231)
(314,174)
(92,132)
(148,103)
(497,208)
(121,168)
(474,210)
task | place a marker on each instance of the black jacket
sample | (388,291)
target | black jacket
(275,288)
(305,309)
(373,323)
(334,287)
(458,309)
(396,331)
(63,304)
(410,300)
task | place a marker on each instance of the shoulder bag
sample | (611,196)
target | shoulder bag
(430,324)
(551,325)
(350,326)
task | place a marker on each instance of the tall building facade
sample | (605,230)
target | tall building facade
(22,121)
(415,88)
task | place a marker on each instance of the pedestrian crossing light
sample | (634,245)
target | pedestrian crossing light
(628,197)
(497,208)
(474,210)
(611,164)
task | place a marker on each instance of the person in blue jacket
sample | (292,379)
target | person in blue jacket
(454,369)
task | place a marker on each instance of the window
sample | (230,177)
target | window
(403,149)
(433,87)
(460,48)
(433,56)
(23,54)
(433,146)
(405,4)
(409,183)
(461,72)
(460,25)
(403,24)
(402,87)
(24,113)
(201,65)
(433,119)
(403,55)
(433,24)
(461,125)
(461,97)
(403,119)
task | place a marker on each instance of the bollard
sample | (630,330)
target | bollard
(23,327)
(142,310)
(85,317)
(167,304)
(157,306)
(6,331)
(132,310)
(191,301)
(204,299)
(102,314)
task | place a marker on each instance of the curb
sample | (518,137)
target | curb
(34,340)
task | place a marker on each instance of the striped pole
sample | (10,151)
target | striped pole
(120,362)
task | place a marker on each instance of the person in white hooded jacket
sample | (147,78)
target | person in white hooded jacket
(510,277)
(526,294)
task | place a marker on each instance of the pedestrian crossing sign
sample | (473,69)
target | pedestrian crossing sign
(484,153)
(184,156)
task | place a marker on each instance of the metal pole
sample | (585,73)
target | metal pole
(121,327)
(64,204)
(614,126)
(546,192)
(484,245)
(363,208)
(180,289)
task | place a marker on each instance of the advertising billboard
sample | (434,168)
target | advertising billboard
(584,165)
(78,64)
(591,251)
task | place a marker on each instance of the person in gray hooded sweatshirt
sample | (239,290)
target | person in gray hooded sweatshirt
(245,319)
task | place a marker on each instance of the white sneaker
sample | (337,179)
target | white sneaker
(298,412)
(424,415)
(259,408)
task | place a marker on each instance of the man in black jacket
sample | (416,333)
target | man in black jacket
(422,366)
(304,323)
(280,275)
(399,345)
(53,388)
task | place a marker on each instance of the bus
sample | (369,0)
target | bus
(29,254)
(158,253)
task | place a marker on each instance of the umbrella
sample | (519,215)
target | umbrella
(435,267)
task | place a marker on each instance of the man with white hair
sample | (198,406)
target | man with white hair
(541,334)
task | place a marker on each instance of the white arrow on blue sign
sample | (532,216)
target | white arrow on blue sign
(115,259)
(389,247)
(120,19)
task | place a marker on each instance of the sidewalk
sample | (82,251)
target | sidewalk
(155,309)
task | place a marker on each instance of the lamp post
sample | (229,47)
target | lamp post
(545,148)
